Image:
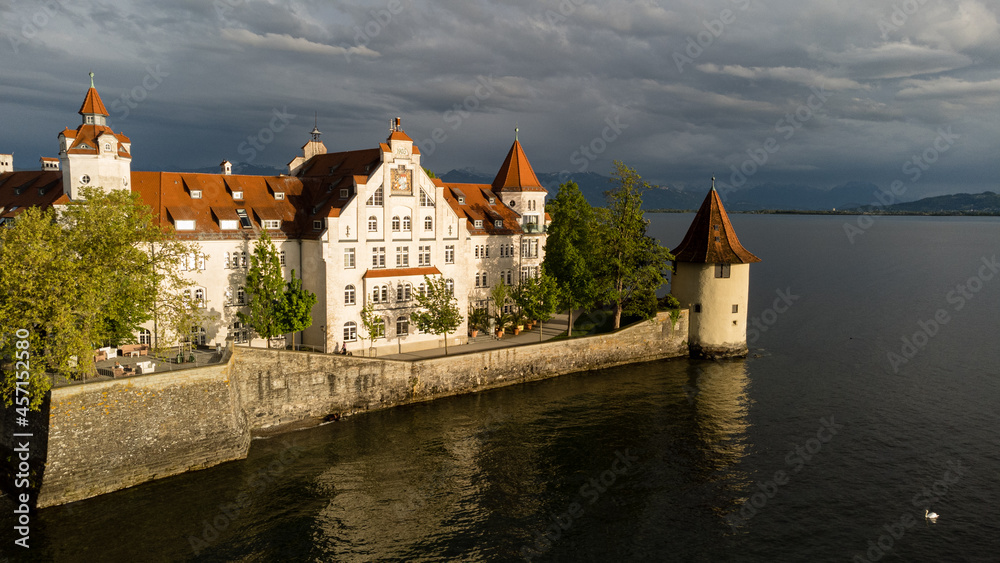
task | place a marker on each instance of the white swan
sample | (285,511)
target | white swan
(932,516)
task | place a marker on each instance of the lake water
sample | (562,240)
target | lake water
(818,447)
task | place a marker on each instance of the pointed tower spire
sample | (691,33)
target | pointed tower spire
(93,110)
(711,238)
(516,174)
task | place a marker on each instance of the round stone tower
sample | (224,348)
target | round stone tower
(712,279)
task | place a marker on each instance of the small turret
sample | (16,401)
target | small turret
(712,278)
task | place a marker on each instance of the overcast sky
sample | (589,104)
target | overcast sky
(818,91)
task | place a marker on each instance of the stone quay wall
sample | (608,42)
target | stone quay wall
(110,435)
(283,387)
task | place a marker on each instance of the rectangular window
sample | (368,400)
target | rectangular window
(487,251)
(272,224)
(424,256)
(697,307)
(736,308)
(195,194)
(201,261)
(402,256)
(722,270)
(317,225)
(344,193)
(184,225)
(425,200)
(348,258)
(237,195)
(244,218)
(449,254)
(229,224)
(478,223)
(378,257)
(281,257)
(279,195)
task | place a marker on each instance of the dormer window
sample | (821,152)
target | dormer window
(493,200)
(272,224)
(184,225)
(499,223)
(461,200)
(478,223)
(344,193)
(279,195)
(107,146)
(318,225)
(244,218)
(237,195)
(90,120)
(195,194)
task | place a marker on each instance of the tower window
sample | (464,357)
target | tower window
(736,308)
(697,307)
(722,270)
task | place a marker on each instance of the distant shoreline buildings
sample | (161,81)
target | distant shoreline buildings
(358,227)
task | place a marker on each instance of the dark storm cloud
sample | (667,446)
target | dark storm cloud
(692,85)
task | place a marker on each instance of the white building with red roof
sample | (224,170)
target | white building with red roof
(360,226)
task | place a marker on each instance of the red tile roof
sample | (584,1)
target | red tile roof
(89,136)
(401,272)
(516,174)
(478,206)
(93,104)
(34,188)
(711,237)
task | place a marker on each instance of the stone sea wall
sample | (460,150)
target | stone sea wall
(109,435)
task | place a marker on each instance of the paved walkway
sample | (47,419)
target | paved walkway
(554,327)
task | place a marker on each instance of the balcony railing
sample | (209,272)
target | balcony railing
(533,228)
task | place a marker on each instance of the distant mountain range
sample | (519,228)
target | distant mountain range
(764,196)
(859,196)
(984,203)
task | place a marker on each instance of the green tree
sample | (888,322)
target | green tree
(538,298)
(499,295)
(439,313)
(264,290)
(85,275)
(569,256)
(631,262)
(373,324)
(294,311)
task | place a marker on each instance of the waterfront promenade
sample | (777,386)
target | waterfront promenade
(554,327)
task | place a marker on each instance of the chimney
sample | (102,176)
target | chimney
(6,163)
(227,167)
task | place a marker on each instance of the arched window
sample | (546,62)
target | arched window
(422,289)
(477,279)
(372,224)
(510,277)
(406,223)
(385,293)
(379,329)
(402,326)
(395,223)
(428,223)
(199,297)
(484,280)
(349,295)
(244,260)
(145,337)
(350,331)
(375,295)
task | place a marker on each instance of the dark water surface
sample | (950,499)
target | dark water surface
(818,447)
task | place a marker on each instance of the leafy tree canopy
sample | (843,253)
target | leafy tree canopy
(438,309)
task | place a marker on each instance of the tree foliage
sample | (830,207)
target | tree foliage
(499,295)
(538,298)
(438,311)
(294,310)
(631,263)
(264,290)
(84,276)
(372,323)
(569,256)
